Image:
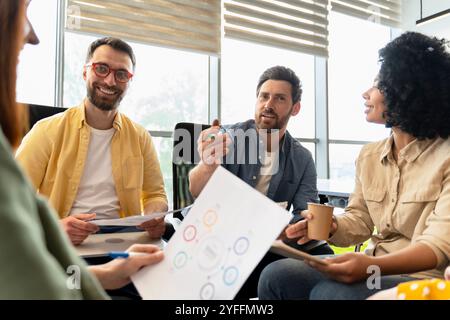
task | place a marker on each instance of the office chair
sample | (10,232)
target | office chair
(38,112)
(184,158)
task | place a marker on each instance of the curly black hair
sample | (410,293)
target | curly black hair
(414,79)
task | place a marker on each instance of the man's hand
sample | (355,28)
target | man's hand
(77,227)
(116,273)
(213,145)
(155,227)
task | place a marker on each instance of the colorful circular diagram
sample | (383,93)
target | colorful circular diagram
(189,233)
(207,291)
(230,275)
(241,245)
(210,218)
(180,259)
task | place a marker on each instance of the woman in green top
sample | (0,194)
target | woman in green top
(36,259)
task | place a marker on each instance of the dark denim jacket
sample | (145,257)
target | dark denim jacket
(296,178)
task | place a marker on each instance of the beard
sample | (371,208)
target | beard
(277,123)
(102,102)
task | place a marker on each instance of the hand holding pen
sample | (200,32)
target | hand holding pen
(213,144)
(116,273)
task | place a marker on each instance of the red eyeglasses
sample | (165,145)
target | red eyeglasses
(102,70)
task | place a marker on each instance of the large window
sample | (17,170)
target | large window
(243,63)
(343,160)
(352,67)
(169,86)
(36,71)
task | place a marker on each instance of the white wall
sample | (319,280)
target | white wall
(411,13)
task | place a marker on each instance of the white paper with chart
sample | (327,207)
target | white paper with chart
(227,232)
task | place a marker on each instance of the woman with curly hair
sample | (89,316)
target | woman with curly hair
(401,200)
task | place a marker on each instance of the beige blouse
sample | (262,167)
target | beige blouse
(396,204)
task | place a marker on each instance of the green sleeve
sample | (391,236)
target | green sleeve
(34,253)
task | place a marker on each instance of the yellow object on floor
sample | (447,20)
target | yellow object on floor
(433,289)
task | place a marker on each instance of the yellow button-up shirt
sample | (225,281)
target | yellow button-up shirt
(54,152)
(406,201)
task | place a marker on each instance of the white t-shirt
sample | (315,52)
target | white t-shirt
(97,192)
(266,172)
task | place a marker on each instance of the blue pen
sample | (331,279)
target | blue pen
(121,254)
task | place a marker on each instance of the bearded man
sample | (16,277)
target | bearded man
(262,153)
(91,161)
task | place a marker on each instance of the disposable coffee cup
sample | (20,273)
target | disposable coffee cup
(320,225)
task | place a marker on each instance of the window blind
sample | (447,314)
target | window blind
(299,25)
(183,24)
(386,12)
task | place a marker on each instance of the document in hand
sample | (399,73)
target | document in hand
(133,221)
(279,247)
(227,232)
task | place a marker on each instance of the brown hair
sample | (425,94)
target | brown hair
(285,74)
(116,44)
(12,15)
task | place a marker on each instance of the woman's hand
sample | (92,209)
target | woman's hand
(346,268)
(116,273)
(300,229)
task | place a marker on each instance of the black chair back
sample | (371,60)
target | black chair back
(184,158)
(38,112)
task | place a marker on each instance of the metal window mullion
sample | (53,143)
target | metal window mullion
(307,140)
(321,117)
(161,134)
(214,111)
(353,142)
(59,54)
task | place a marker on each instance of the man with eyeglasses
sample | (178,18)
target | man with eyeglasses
(91,161)
(263,154)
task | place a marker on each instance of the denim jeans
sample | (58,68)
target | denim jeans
(291,279)
(250,287)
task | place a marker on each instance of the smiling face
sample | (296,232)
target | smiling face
(106,93)
(274,105)
(375,107)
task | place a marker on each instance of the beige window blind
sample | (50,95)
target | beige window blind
(183,24)
(299,25)
(385,12)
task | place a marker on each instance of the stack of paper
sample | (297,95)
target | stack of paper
(133,221)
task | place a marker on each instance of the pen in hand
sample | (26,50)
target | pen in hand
(222,130)
(122,254)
